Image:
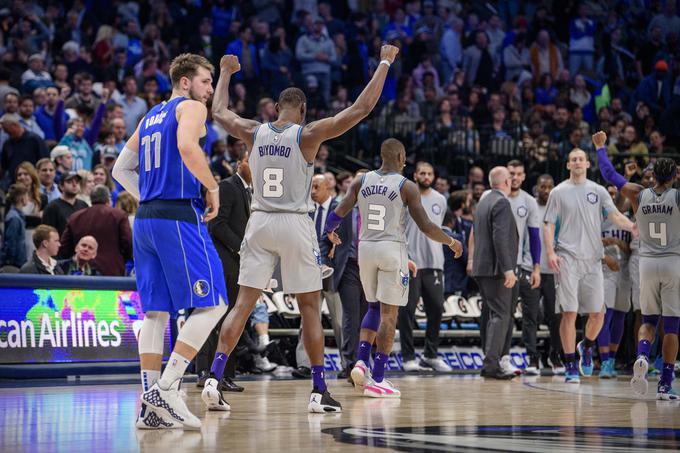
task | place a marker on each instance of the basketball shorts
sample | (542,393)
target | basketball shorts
(176,264)
(617,289)
(579,285)
(634,272)
(290,237)
(660,285)
(383,269)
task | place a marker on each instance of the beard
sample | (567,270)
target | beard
(193,95)
(423,185)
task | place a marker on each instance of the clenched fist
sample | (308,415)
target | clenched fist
(230,64)
(599,139)
(389,53)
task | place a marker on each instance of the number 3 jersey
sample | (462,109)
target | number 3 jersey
(282,179)
(162,173)
(659,222)
(382,211)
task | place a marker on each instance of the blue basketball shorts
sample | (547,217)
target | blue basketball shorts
(176,264)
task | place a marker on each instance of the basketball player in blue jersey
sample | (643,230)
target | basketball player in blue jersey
(657,213)
(177,266)
(282,164)
(384,196)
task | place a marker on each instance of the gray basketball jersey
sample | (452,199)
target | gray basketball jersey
(426,253)
(611,230)
(383,212)
(659,222)
(525,211)
(282,179)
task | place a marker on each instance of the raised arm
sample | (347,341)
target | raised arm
(628,189)
(317,132)
(411,196)
(235,125)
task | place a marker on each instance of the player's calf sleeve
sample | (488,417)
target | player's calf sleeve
(199,325)
(650,319)
(617,326)
(671,324)
(151,334)
(603,338)
(371,319)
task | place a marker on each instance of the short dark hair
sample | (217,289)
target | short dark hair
(15,192)
(422,163)
(457,199)
(86,76)
(292,97)
(515,163)
(665,170)
(42,233)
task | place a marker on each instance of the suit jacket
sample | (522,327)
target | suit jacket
(496,238)
(229,227)
(341,256)
(110,227)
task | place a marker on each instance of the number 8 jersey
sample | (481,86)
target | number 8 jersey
(383,212)
(282,179)
(659,222)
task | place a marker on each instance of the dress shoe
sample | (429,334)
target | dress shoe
(498,374)
(302,372)
(202,377)
(227,385)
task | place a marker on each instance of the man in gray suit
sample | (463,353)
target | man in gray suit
(495,255)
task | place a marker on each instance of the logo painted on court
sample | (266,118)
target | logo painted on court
(592,197)
(547,439)
(436,209)
(522,211)
(201,288)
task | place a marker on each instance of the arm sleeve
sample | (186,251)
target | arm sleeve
(124,171)
(607,169)
(535,244)
(332,221)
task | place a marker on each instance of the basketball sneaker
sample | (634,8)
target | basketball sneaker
(263,364)
(507,366)
(322,402)
(666,392)
(212,397)
(360,374)
(556,364)
(572,377)
(414,365)
(585,360)
(383,389)
(437,364)
(149,419)
(170,405)
(607,369)
(533,369)
(639,381)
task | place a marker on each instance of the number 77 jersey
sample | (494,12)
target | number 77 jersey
(162,173)
(383,212)
(658,218)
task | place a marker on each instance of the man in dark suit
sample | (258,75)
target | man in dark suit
(345,280)
(493,266)
(323,205)
(109,226)
(227,231)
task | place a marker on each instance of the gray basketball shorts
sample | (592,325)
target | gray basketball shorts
(634,272)
(383,269)
(660,285)
(616,289)
(579,286)
(290,237)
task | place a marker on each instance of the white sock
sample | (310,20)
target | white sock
(264,339)
(174,371)
(149,378)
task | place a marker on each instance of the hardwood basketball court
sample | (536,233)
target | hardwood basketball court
(436,413)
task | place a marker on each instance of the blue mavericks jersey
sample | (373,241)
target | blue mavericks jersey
(162,174)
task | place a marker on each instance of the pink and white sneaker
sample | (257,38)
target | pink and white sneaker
(360,374)
(383,389)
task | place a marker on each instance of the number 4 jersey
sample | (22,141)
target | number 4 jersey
(659,222)
(282,179)
(162,174)
(383,212)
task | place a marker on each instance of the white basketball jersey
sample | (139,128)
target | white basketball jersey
(282,179)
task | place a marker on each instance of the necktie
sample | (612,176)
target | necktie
(319,218)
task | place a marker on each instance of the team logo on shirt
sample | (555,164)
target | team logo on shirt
(436,209)
(592,197)
(201,288)
(522,211)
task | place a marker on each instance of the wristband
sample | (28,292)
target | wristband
(385,62)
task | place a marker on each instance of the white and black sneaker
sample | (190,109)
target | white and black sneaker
(533,368)
(170,405)
(322,402)
(212,396)
(149,419)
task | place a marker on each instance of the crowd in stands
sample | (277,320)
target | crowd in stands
(475,84)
